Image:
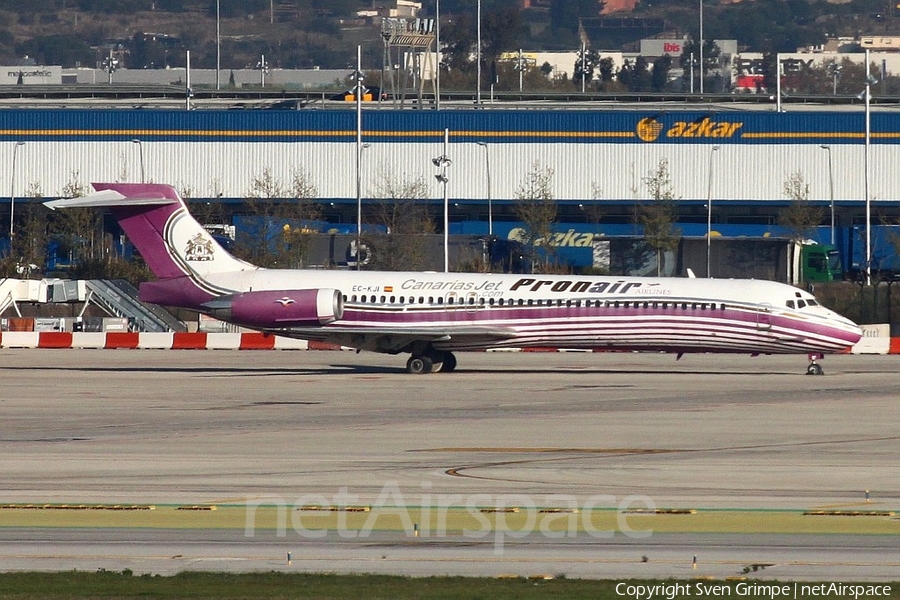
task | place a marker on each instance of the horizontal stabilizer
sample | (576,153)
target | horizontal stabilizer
(106,198)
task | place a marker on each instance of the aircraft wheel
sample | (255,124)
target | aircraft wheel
(449,364)
(815,369)
(417,365)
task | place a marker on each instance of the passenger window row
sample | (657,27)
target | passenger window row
(471,301)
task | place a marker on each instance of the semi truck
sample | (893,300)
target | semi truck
(774,259)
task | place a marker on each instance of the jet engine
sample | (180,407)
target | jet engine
(279,308)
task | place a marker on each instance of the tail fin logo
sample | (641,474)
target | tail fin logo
(199,248)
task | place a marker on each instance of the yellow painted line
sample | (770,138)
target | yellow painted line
(549,450)
(845,505)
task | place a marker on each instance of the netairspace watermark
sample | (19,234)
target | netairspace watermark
(497,516)
(794,591)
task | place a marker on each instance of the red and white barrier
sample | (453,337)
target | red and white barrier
(876,340)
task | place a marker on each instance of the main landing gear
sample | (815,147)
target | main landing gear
(432,362)
(815,368)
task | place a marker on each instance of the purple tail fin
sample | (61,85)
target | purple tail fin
(172,242)
(179,251)
(145,224)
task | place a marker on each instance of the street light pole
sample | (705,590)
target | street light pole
(437,51)
(218,46)
(478,57)
(709,171)
(866,158)
(583,67)
(692,73)
(12,192)
(359,148)
(487,168)
(827,148)
(442,162)
(701,50)
(141,151)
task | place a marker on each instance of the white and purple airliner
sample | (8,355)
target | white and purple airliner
(431,315)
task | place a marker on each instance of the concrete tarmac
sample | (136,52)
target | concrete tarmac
(617,431)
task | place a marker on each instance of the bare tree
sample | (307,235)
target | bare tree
(593,211)
(800,216)
(659,215)
(536,207)
(79,230)
(406,223)
(276,230)
(29,244)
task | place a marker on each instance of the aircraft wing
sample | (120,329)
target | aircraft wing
(396,339)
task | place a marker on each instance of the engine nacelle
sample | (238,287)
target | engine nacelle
(279,308)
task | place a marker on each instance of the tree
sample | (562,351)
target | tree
(658,217)
(635,76)
(64,49)
(29,242)
(405,221)
(276,231)
(535,206)
(584,67)
(770,71)
(690,60)
(501,31)
(78,230)
(800,216)
(659,77)
(458,39)
(607,68)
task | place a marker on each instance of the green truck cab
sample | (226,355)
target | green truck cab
(821,263)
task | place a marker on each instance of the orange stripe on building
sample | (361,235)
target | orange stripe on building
(189,341)
(54,339)
(257,341)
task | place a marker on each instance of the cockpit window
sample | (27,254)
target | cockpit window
(801,304)
(812,302)
(790,304)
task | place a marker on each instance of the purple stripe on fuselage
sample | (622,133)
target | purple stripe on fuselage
(806,333)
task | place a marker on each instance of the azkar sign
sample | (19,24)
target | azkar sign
(650,130)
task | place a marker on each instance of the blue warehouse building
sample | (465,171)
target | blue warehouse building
(738,157)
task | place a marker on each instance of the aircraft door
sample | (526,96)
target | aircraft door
(764,317)
(450,301)
(471,302)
